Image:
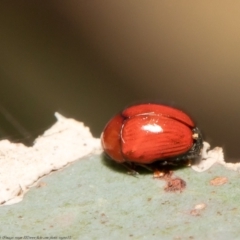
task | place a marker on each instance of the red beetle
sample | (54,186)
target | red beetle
(148,133)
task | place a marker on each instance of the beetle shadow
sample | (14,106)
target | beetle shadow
(114,166)
(118,167)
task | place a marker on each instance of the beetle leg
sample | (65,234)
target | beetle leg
(148,167)
(130,167)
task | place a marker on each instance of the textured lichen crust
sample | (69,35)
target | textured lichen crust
(21,166)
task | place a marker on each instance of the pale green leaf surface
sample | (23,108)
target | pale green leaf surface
(94,198)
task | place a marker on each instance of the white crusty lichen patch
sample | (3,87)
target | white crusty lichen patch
(21,166)
(213,156)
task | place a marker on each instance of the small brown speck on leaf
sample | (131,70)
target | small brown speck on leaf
(174,184)
(195,212)
(41,184)
(217,181)
(103,218)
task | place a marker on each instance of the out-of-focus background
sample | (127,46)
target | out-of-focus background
(90,59)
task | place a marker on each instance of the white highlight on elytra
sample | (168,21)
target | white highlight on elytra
(152,128)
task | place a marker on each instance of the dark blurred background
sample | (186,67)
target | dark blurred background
(89,59)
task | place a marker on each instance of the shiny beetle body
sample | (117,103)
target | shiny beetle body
(148,133)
